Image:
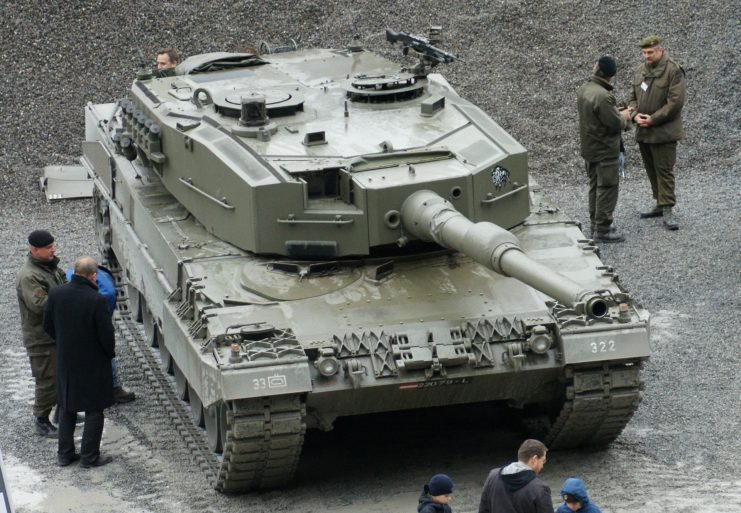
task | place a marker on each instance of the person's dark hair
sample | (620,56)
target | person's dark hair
(606,67)
(571,499)
(530,448)
(172,54)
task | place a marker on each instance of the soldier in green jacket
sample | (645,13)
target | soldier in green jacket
(657,97)
(600,125)
(37,276)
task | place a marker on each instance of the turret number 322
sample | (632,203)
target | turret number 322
(603,346)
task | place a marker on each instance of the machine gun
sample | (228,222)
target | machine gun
(428,54)
(145,71)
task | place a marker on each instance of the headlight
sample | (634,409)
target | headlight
(327,365)
(540,340)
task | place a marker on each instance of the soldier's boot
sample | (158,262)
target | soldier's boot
(670,220)
(611,235)
(594,230)
(657,211)
(45,428)
(121,395)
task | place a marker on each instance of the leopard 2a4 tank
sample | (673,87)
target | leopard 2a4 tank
(320,233)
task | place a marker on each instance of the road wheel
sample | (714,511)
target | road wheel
(196,407)
(212,420)
(135,303)
(181,384)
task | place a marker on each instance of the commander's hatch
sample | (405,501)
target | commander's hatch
(384,88)
(217,61)
(278,103)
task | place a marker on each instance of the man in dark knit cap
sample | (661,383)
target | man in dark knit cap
(38,275)
(600,125)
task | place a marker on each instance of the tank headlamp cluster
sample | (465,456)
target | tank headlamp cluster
(540,340)
(327,364)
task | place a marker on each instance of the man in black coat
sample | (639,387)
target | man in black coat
(77,318)
(515,488)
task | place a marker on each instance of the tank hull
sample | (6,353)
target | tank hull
(265,346)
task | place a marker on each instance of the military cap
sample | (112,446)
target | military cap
(649,41)
(40,238)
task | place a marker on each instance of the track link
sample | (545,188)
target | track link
(598,405)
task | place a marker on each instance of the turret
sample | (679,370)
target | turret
(431,218)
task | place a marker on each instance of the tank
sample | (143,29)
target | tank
(318,233)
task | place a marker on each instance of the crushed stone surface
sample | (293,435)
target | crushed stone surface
(522,62)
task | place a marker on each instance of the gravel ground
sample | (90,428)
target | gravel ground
(523,61)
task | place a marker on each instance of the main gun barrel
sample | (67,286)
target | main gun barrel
(429,217)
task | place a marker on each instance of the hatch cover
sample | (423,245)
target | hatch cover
(384,88)
(278,103)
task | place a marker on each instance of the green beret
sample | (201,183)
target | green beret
(649,41)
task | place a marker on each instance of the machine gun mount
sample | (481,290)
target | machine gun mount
(429,55)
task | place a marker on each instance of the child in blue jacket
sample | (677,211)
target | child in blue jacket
(575,497)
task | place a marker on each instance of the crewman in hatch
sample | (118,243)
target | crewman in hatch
(166,60)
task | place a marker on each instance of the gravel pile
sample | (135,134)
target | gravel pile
(523,62)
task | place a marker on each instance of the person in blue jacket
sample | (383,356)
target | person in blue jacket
(575,497)
(107,289)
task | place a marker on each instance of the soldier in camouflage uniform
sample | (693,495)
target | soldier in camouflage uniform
(657,97)
(600,125)
(37,276)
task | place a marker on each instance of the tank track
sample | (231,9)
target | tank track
(263,437)
(598,404)
(161,389)
(263,443)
